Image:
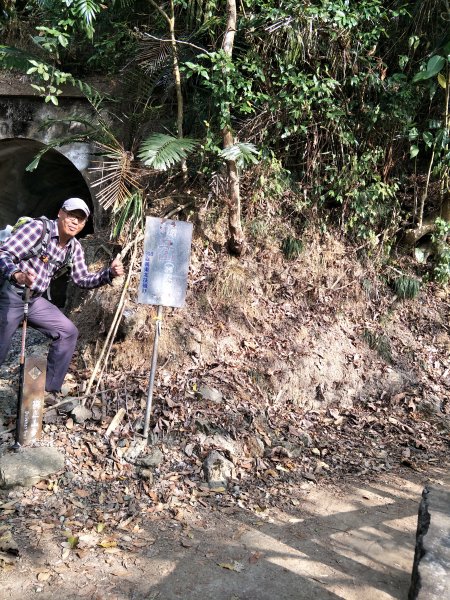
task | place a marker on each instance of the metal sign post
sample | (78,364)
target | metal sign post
(165,266)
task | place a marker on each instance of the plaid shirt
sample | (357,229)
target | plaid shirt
(23,240)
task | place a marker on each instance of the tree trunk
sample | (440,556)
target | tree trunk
(176,71)
(412,236)
(236,234)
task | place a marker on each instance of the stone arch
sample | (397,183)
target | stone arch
(42,191)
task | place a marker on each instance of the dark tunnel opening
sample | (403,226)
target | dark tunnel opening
(40,192)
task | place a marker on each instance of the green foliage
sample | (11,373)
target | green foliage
(242,153)
(128,218)
(161,151)
(291,247)
(441,268)
(405,287)
(379,343)
(369,204)
(343,100)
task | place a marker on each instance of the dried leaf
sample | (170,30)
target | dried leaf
(108,543)
(234,566)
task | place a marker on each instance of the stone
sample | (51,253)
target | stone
(69,404)
(210,393)
(81,414)
(154,459)
(28,466)
(221,442)
(430,578)
(218,470)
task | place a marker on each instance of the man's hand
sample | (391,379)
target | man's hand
(25,278)
(117,267)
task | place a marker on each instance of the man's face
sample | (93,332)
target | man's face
(71,222)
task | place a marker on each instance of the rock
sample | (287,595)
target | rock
(255,446)
(80,414)
(211,394)
(194,342)
(28,466)
(431,568)
(67,387)
(136,448)
(154,459)
(203,425)
(220,441)
(50,416)
(69,404)
(305,439)
(218,470)
(146,474)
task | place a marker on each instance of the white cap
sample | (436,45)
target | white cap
(76,204)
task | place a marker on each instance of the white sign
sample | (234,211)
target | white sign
(165,264)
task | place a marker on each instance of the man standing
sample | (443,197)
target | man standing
(19,268)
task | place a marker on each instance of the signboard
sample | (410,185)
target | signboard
(165,264)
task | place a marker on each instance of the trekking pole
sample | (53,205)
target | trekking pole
(26,300)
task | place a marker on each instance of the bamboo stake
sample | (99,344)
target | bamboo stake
(113,329)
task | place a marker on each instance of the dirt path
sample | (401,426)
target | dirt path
(354,541)
(103,530)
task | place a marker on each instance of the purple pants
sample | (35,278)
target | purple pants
(46,318)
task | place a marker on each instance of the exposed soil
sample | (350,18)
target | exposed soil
(329,395)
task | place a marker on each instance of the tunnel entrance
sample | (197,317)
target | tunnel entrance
(40,192)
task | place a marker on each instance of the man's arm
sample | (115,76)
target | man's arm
(15,248)
(84,279)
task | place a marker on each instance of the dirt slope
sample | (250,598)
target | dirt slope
(328,394)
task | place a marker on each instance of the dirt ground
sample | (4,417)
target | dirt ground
(351,541)
(329,396)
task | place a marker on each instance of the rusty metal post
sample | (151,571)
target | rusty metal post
(26,301)
(148,409)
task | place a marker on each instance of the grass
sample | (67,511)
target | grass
(405,287)
(291,247)
(379,343)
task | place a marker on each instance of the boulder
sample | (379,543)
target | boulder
(431,569)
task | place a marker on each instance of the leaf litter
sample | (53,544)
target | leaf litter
(113,485)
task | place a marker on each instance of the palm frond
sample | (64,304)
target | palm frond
(13,58)
(116,176)
(244,153)
(161,151)
(129,217)
(56,143)
(87,10)
(154,55)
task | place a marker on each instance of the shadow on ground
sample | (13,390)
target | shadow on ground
(352,542)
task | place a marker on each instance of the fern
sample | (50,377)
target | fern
(161,151)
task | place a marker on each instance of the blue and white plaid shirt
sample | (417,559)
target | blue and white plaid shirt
(23,240)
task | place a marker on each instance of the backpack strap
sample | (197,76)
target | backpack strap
(40,247)
(68,262)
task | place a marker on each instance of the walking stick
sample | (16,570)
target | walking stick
(26,300)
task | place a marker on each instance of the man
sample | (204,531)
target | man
(36,273)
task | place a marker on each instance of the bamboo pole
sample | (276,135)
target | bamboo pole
(115,323)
